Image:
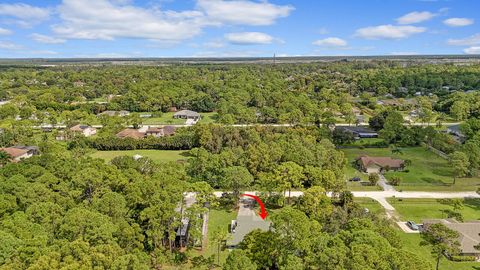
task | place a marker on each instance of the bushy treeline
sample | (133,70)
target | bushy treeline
(176,142)
(266,158)
(61,212)
(293,93)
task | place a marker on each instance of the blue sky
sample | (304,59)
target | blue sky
(237,28)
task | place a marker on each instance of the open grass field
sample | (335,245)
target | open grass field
(217,220)
(370,204)
(411,242)
(361,186)
(167,119)
(420,209)
(155,155)
(427,172)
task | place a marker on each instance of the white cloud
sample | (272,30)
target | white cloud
(469,41)
(472,50)
(46,52)
(5,45)
(388,31)
(46,39)
(416,17)
(4,31)
(331,42)
(457,22)
(214,44)
(26,14)
(102,19)
(243,12)
(249,38)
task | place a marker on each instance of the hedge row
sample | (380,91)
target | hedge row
(176,142)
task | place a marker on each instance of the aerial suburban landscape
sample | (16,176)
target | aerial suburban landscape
(357,153)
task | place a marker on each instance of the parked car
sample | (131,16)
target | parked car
(355,179)
(412,225)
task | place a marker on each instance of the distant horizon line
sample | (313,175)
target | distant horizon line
(236,58)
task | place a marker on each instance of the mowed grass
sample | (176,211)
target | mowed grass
(427,171)
(372,205)
(411,242)
(167,119)
(218,219)
(155,155)
(361,186)
(421,209)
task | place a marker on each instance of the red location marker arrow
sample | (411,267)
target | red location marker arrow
(263,213)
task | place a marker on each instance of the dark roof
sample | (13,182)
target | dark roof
(455,129)
(357,129)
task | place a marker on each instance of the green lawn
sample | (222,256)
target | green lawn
(427,172)
(217,220)
(420,209)
(411,242)
(155,155)
(361,186)
(167,119)
(371,204)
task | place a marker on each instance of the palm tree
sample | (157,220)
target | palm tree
(4,157)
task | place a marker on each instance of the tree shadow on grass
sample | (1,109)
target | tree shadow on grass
(185,154)
(473,203)
(435,182)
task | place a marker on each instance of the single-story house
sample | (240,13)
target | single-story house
(359,131)
(469,234)
(115,113)
(379,164)
(187,114)
(21,152)
(85,130)
(160,132)
(130,133)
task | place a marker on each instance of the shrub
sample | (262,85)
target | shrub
(395,180)
(462,258)
(373,178)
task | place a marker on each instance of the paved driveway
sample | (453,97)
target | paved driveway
(247,221)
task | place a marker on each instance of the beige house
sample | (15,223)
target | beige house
(469,234)
(19,153)
(85,130)
(130,133)
(160,132)
(379,164)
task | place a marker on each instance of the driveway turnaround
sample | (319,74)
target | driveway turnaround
(247,221)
